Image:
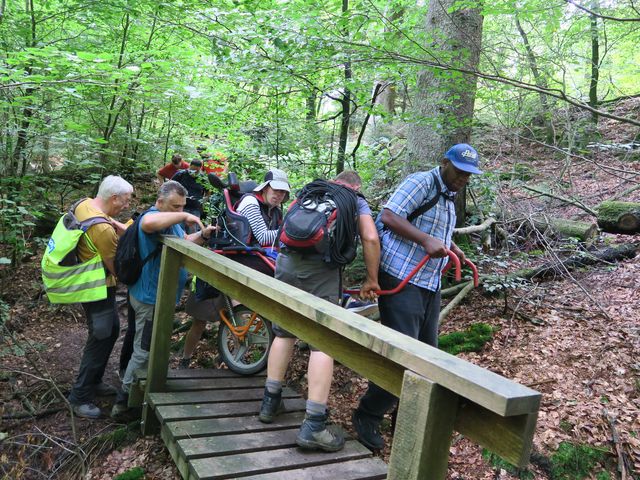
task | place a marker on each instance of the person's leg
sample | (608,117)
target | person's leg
(193,337)
(127,341)
(314,433)
(140,356)
(202,309)
(403,312)
(323,281)
(279,357)
(103,325)
(320,376)
(431,321)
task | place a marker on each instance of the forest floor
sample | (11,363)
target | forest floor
(574,337)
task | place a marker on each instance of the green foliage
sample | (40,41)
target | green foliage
(136,473)
(497,284)
(499,464)
(470,340)
(575,462)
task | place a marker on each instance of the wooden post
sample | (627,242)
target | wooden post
(426,417)
(161,337)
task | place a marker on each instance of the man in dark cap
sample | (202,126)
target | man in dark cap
(194,181)
(417,220)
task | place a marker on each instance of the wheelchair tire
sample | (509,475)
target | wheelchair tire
(250,355)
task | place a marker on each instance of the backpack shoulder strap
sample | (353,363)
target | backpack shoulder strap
(136,224)
(88,222)
(428,205)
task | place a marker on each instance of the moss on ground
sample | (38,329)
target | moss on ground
(470,340)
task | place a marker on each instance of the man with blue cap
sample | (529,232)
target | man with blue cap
(418,219)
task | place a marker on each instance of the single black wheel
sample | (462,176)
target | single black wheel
(249,355)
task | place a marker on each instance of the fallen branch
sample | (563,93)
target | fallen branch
(455,301)
(525,317)
(475,228)
(541,382)
(451,291)
(575,203)
(42,413)
(623,462)
(583,259)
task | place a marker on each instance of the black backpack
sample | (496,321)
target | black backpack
(426,206)
(323,219)
(128,262)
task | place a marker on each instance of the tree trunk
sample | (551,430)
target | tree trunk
(585,231)
(595,62)
(444,100)
(19,153)
(346,105)
(541,82)
(619,217)
(112,116)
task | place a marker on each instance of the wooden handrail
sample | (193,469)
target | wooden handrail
(491,410)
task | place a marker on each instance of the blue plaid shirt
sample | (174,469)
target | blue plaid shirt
(399,256)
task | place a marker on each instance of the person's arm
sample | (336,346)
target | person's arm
(250,209)
(201,237)
(119,227)
(156,221)
(164,173)
(110,264)
(401,226)
(371,253)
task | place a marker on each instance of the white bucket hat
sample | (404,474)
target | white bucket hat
(276,179)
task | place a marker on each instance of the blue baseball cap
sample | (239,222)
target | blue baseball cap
(464,157)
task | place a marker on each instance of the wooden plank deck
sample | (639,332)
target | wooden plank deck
(210,425)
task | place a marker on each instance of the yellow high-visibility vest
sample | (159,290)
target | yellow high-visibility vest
(65,278)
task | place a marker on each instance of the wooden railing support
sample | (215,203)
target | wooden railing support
(426,417)
(161,337)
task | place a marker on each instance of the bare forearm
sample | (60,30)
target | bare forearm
(401,226)
(154,222)
(371,254)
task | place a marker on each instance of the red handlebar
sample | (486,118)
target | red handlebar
(468,263)
(453,260)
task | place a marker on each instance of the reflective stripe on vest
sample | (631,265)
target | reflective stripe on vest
(80,283)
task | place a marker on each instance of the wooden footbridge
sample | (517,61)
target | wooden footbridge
(208,419)
(210,425)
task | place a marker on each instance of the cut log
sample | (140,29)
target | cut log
(582,259)
(619,217)
(585,231)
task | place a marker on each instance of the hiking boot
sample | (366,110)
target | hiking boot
(272,405)
(118,410)
(87,410)
(104,389)
(366,428)
(184,364)
(315,435)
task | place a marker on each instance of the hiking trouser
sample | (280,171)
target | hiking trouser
(141,340)
(127,341)
(103,326)
(311,274)
(413,311)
